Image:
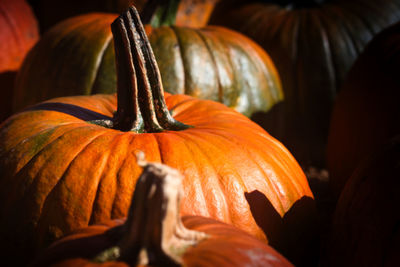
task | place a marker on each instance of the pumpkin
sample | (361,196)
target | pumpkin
(69,162)
(366,113)
(189,13)
(193,13)
(76,57)
(155,235)
(365,229)
(51,12)
(18,33)
(313,44)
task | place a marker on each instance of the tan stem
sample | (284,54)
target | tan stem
(153,233)
(140,93)
(154,221)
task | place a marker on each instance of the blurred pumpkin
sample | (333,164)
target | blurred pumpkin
(313,44)
(366,113)
(50,13)
(193,13)
(70,162)
(365,229)
(18,33)
(155,235)
(76,57)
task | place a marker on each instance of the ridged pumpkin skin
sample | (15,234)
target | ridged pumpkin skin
(72,161)
(60,172)
(18,33)
(313,44)
(366,222)
(76,57)
(78,248)
(367,111)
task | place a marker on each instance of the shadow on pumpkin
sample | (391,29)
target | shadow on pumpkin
(85,247)
(296,234)
(73,110)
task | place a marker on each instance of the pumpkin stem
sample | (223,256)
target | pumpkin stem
(153,233)
(140,93)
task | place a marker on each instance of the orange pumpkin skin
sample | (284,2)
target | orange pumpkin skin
(18,33)
(365,228)
(78,248)
(71,161)
(366,111)
(195,13)
(60,173)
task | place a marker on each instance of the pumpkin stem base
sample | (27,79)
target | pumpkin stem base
(154,233)
(140,93)
(159,237)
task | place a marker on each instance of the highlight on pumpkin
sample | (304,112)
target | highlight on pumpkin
(62,171)
(154,234)
(154,231)
(215,188)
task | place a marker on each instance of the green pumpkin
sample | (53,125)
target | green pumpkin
(76,57)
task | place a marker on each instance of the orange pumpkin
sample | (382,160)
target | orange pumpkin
(155,235)
(187,13)
(70,162)
(18,33)
(195,13)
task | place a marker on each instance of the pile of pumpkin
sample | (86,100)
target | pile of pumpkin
(149,137)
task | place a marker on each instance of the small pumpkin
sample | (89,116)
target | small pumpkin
(188,13)
(366,112)
(365,228)
(76,57)
(18,33)
(155,235)
(195,13)
(313,44)
(70,162)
